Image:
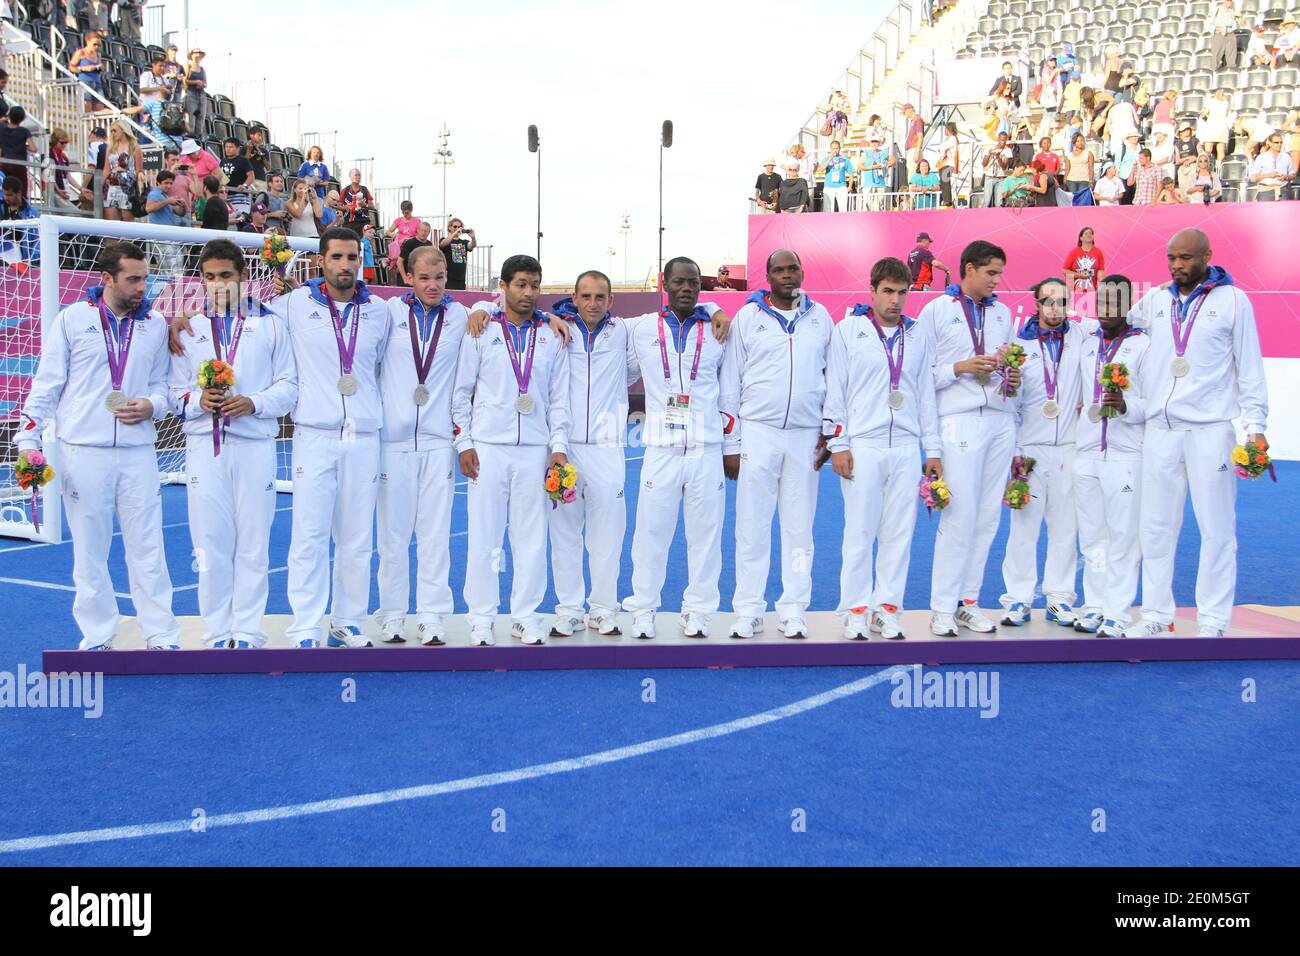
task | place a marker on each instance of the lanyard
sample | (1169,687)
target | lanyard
(525,373)
(424,360)
(1183,329)
(346,353)
(223,337)
(968,309)
(895,368)
(1050,379)
(1104,357)
(117,343)
(663,347)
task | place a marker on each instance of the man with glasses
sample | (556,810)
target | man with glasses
(1270,172)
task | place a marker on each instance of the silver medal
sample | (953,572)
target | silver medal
(1051,408)
(1180,367)
(347,384)
(524,404)
(896,399)
(1094,413)
(114,400)
(421,395)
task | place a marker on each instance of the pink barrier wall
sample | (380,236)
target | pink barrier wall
(1253,241)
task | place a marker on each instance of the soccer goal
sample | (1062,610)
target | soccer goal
(49,263)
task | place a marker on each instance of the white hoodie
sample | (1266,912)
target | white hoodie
(483,401)
(706,423)
(264,371)
(408,426)
(771,375)
(1123,432)
(857,389)
(598,378)
(73,380)
(944,322)
(1032,426)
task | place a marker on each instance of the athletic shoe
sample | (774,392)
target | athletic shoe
(394,633)
(695,625)
(240,643)
(164,644)
(643,625)
(1110,628)
(1149,629)
(347,636)
(856,625)
(1016,615)
(885,623)
(604,626)
(1061,614)
(431,634)
(307,642)
(744,627)
(528,633)
(480,635)
(219,645)
(794,628)
(1208,630)
(108,646)
(943,625)
(970,617)
(1088,622)
(565,626)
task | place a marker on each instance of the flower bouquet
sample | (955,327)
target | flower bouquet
(561,482)
(1012,355)
(214,373)
(32,471)
(1114,377)
(1016,495)
(1251,460)
(935,493)
(276,253)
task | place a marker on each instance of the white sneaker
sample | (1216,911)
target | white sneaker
(885,623)
(643,625)
(1061,614)
(307,643)
(220,643)
(943,625)
(604,625)
(970,617)
(1016,615)
(745,627)
(1208,630)
(695,625)
(1110,628)
(795,628)
(566,626)
(529,633)
(431,634)
(164,644)
(1149,629)
(347,636)
(480,635)
(855,625)
(393,630)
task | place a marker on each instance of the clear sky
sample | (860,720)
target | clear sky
(737,79)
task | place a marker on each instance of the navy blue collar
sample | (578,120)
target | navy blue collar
(316,289)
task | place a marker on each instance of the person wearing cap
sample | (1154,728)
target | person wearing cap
(153,93)
(173,74)
(1257,52)
(923,263)
(793,195)
(837,170)
(1110,188)
(1286,48)
(201,163)
(1186,149)
(767,187)
(876,164)
(256,221)
(195,83)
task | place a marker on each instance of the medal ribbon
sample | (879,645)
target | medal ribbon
(968,309)
(1050,379)
(522,375)
(895,368)
(424,362)
(1183,329)
(1108,354)
(346,353)
(663,348)
(116,356)
(220,327)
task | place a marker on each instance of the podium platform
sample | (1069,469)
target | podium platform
(1258,633)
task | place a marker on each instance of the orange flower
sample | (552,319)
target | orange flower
(552,483)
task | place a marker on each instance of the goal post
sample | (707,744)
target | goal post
(47,264)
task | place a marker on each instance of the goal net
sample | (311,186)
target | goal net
(49,263)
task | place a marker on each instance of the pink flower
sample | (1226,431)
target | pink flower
(35,459)
(570,496)
(1242,472)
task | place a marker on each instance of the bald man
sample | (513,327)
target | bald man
(1203,368)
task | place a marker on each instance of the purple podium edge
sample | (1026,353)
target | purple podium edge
(622,653)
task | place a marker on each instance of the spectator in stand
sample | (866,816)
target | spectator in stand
(1079,165)
(183,183)
(256,154)
(256,220)
(1112,69)
(837,114)
(1110,189)
(1004,110)
(277,203)
(1145,179)
(1093,107)
(1015,188)
(456,247)
(1291,127)
(153,91)
(96,150)
(876,164)
(1042,185)
(304,208)
(66,188)
(723,281)
(1011,80)
(1127,161)
(837,170)
(421,238)
(877,130)
(173,73)
(807,165)
(1257,53)
(924,187)
(766,187)
(1162,154)
(329,214)
(1085,266)
(1220,25)
(128,18)
(235,167)
(1186,150)
(1067,63)
(1286,48)
(998,163)
(949,160)
(403,228)
(1049,89)
(1255,129)
(17,205)
(1070,97)
(1270,172)
(87,64)
(1205,186)
(1121,123)
(1048,158)
(194,82)
(123,163)
(1129,81)
(793,196)
(1169,194)
(1163,116)
(1216,123)
(15,146)
(314,170)
(160,206)
(4,83)
(368,253)
(913,138)
(356,203)
(922,262)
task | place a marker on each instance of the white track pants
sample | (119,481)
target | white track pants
(1107,498)
(693,479)
(776,474)
(1051,496)
(510,492)
(600,516)
(416,489)
(98,483)
(335,481)
(231,500)
(879,506)
(977,450)
(1173,462)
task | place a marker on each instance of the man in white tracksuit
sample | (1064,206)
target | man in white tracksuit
(773,386)
(231,491)
(680,363)
(1203,369)
(338,330)
(510,411)
(1046,407)
(101,384)
(1108,464)
(966,327)
(880,406)
(416,479)
(598,381)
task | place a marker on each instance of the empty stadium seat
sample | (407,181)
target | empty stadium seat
(1250,100)
(1227,80)
(225,106)
(1288,77)
(1175,11)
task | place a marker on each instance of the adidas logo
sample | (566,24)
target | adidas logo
(201,338)
(719,486)
(383,476)
(649,484)
(1223,467)
(270,486)
(194,480)
(91,328)
(862,335)
(1126,490)
(620,493)
(760,328)
(955,322)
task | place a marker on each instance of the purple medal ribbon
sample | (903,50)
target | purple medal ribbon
(895,369)
(663,348)
(218,327)
(348,353)
(1050,379)
(425,362)
(1182,330)
(524,375)
(976,337)
(1109,355)
(116,356)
